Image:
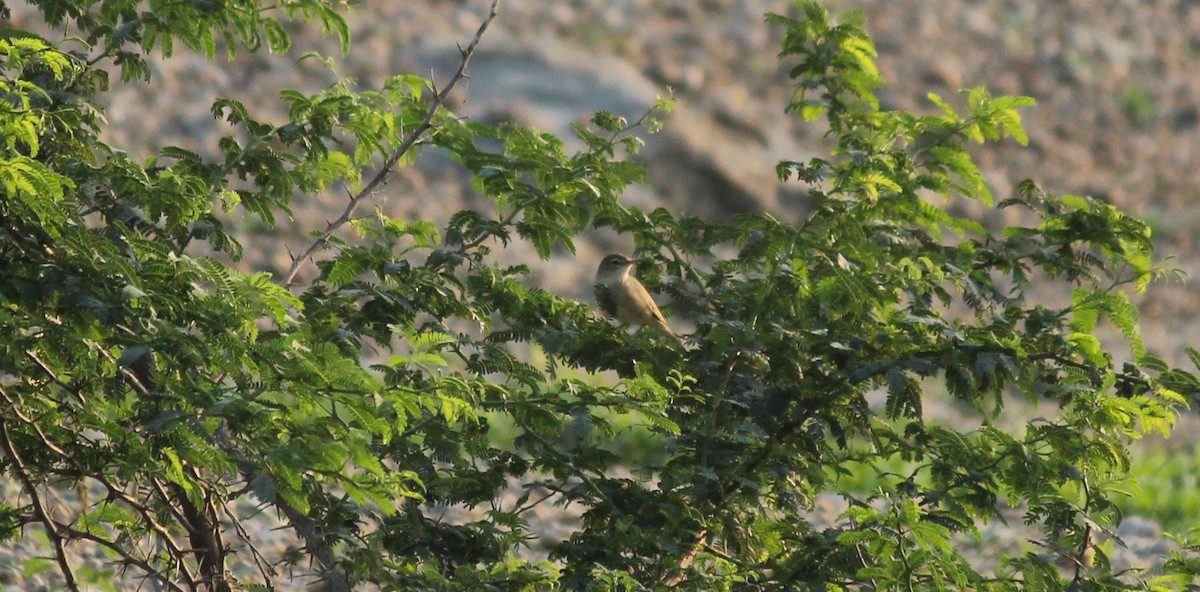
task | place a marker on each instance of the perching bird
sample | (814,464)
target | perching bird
(620,296)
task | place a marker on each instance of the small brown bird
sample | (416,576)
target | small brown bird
(620,296)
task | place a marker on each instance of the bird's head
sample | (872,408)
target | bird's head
(614,269)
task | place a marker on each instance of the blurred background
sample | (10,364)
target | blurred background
(1118,118)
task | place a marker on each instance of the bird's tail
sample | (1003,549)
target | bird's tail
(662,326)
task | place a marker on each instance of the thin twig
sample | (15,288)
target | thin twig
(113,491)
(54,377)
(531,505)
(127,557)
(39,507)
(439,98)
(260,560)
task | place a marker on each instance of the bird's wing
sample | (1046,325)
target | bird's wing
(643,303)
(605,300)
(653,316)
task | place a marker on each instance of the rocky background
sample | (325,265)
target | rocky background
(1118,115)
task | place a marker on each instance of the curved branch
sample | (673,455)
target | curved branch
(114,492)
(39,507)
(260,561)
(439,98)
(130,559)
(333,578)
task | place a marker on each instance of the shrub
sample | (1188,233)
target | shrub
(179,387)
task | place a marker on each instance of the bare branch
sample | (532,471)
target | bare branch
(54,377)
(439,98)
(333,578)
(39,507)
(114,492)
(127,557)
(260,561)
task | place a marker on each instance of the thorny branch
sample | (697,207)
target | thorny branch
(204,533)
(260,561)
(39,507)
(114,493)
(333,578)
(439,98)
(129,558)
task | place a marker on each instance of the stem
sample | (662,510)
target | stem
(128,558)
(333,578)
(164,535)
(39,507)
(439,98)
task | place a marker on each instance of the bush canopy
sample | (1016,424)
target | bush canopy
(157,402)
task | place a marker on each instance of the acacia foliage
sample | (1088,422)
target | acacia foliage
(178,387)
